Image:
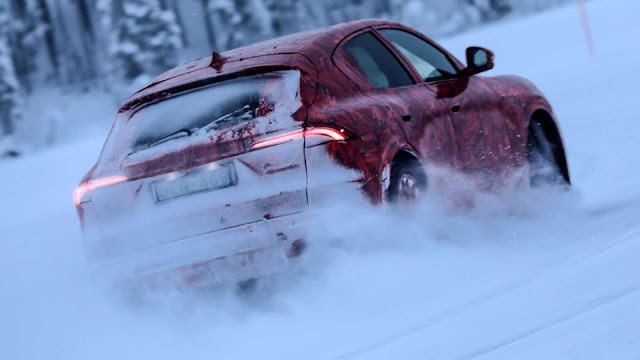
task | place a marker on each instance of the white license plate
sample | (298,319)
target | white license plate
(196,182)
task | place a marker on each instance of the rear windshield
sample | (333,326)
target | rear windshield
(218,106)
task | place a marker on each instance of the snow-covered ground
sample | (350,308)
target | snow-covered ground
(542,275)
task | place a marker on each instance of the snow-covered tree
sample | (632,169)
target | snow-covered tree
(435,17)
(25,37)
(438,17)
(9,86)
(289,16)
(240,22)
(528,6)
(144,37)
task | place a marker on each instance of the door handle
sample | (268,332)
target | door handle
(455,108)
(406,117)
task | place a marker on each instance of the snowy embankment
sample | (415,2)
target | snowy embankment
(541,275)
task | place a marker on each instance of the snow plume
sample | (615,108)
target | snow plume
(461,202)
(385,265)
(368,273)
(343,235)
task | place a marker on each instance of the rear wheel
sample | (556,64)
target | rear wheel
(408,181)
(543,156)
(247,287)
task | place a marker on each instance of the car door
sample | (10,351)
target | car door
(480,131)
(379,73)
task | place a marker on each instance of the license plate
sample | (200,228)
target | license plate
(196,182)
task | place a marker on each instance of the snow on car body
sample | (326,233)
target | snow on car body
(209,170)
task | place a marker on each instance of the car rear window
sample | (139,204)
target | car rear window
(218,106)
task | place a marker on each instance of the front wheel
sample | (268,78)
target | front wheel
(543,157)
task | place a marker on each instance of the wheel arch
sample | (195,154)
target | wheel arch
(552,133)
(404,154)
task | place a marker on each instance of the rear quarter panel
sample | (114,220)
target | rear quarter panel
(375,136)
(519,100)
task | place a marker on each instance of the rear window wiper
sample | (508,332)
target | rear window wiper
(243,114)
(176,135)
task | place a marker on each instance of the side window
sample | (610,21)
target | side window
(377,62)
(431,63)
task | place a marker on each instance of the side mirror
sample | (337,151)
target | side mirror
(478,60)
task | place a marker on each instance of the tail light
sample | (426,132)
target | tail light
(81,194)
(334,134)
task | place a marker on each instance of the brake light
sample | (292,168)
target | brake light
(329,132)
(94,184)
(334,134)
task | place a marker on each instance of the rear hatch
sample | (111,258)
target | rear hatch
(192,165)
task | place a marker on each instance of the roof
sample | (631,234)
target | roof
(316,45)
(305,43)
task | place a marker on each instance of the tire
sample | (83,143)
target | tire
(408,181)
(247,287)
(543,157)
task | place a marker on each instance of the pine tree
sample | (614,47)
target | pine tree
(26,36)
(500,7)
(9,86)
(240,22)
(88,36)
(527,6)
(287,16)
(208,25)
(144,37)
(48,36)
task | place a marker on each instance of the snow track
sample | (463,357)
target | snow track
(499,313)
(538,275)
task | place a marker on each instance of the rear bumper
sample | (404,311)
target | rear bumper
(231,255)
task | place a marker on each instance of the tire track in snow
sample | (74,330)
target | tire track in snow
(590,306)
(469,306)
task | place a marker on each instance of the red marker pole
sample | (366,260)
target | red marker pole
(587,27)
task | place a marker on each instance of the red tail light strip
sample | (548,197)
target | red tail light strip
(321,131)
(329,132)
(94,184)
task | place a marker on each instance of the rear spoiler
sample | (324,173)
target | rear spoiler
(195,80)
